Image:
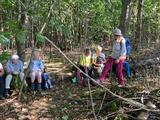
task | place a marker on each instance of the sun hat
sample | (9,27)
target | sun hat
(117,32)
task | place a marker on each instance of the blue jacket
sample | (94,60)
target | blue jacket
(36,65)
(18,67)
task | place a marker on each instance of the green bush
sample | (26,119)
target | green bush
(4,56)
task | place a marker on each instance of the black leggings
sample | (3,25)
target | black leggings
(2,86)
(86,70)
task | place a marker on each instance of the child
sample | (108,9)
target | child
(46,82)
(98,60)
(84,65)
(36,69)
(2,82)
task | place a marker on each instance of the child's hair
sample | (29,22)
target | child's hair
(45,68)
(36,54)
(87,51)
(99,48)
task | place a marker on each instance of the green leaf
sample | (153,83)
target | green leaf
(40,38)
(67,1)
(4,40)
(65,117)
(4,56)
(119,117)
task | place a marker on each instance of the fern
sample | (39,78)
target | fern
(4,56)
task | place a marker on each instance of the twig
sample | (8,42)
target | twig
(49,13)
(93,110)
(132,102)
(7,102)
(133,110)
(102,103)
(62,69)
(110,115)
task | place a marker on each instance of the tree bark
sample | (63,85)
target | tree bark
(125,16)
(23,24)
(139,25)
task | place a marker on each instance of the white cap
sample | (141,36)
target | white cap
(15,57)
(1,66)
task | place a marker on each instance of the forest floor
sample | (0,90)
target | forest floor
(69,101)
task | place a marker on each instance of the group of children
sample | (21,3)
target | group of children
(14,67)
(90,63)
(93,64)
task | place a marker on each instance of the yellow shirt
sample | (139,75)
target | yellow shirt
(85,60)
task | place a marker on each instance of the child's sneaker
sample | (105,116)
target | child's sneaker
(103,82)
(121,85)
(99,81)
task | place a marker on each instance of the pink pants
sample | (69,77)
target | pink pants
(119,70)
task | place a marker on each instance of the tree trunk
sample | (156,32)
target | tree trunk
(125,16)
(23,18)
(139,25)
(1,24)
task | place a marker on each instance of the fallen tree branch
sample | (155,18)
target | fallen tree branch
(61,69)
(8,102)
(132,102)
(152,61)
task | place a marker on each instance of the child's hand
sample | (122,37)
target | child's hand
(15,72)
(117,61)
(102,65)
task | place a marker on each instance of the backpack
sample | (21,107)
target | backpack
(128,46)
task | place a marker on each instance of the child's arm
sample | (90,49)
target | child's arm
(21,67)
(41,66)
(93,61)
(8,67)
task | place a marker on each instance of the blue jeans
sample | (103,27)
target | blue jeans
(2,86)
(127,68)
(46,82)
